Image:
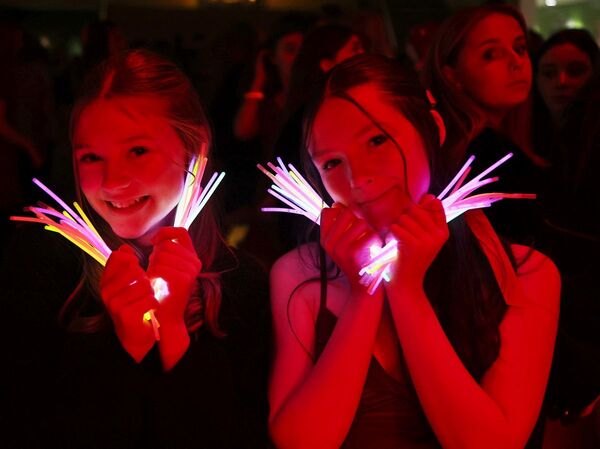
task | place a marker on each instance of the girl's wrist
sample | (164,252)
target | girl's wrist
(174,342)
(405,287)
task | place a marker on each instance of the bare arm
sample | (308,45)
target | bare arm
(313,405)
(502,410)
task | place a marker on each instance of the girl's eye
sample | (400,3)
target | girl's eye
(139,151)
(89,158)
(331,163)
(575,70)
(378,140)
(521,50)
(549,74)
(492,53)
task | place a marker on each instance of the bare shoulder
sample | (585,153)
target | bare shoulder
(539,276)
(296,273)
(298,263)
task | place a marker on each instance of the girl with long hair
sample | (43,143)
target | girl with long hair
(92,372)
(478,69)
(454,351)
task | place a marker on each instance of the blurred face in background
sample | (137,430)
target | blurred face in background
(493,66)
(562,71)
(285,53)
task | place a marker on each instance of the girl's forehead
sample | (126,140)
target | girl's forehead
(496,27)
(342,121)
(122,115)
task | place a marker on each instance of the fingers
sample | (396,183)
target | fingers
(425,218)
(339,224)
(138,293)
(169,254)
(179,235)
(122,263)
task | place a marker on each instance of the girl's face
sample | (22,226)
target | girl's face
(563,70)
(493,67)
(285,53)
(360,166)
(130,164)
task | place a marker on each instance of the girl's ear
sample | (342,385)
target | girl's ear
(326,65)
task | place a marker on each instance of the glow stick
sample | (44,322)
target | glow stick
(194,197)
(293,190)
(457,202)
(290,187)
(78,229)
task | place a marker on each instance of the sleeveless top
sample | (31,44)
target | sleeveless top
(389,415)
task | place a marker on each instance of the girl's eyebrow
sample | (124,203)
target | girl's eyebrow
(135,138)
(126,140)
(362,131)
(494,40)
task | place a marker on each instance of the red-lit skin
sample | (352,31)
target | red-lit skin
(125,149)
(313,405)
(361,167)
(562,71)
(493,66)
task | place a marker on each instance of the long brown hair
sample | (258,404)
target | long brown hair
(464,118)
(460,284)
(140,73)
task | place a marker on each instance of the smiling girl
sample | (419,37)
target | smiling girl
(97,376)
(455,350)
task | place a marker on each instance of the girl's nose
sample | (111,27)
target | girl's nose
(116,177)
(563,78)
(359,175)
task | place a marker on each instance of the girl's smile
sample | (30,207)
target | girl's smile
(130,164)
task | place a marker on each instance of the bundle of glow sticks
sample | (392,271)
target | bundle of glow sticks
(292,189)
(194,196)
(79,230)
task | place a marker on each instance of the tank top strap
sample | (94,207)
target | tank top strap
(326,320)
(323,279)
(503,269)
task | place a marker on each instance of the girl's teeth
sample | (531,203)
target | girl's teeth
(124,204)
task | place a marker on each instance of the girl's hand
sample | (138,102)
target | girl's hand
(421,232)
(174,259)
(347,239)
(127,296)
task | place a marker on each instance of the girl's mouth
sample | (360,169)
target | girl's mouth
(128,205)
